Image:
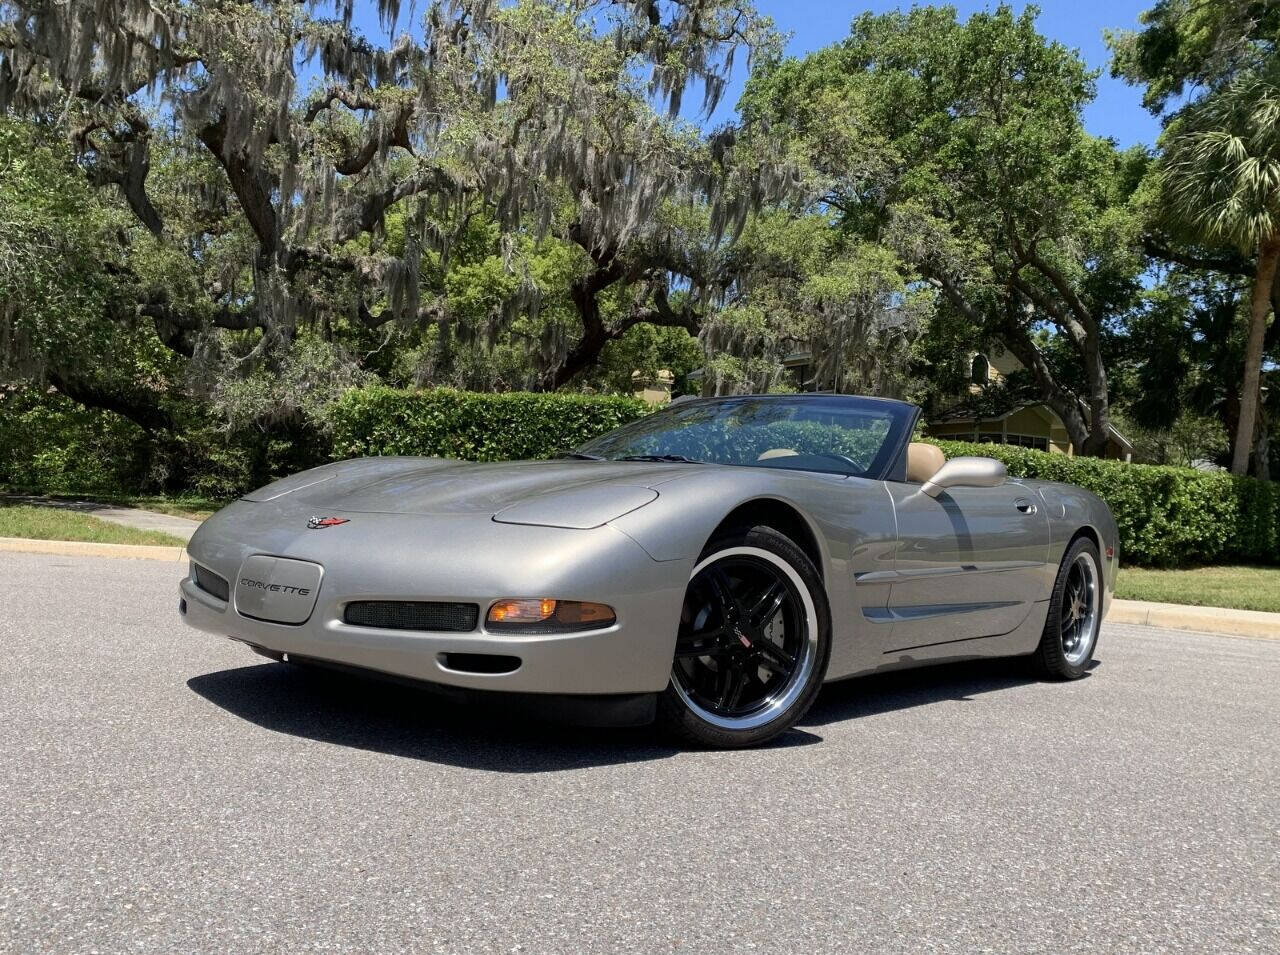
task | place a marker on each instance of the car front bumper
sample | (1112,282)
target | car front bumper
(499,561)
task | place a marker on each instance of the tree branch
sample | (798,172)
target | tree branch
(348,98)
(1227,264)
(151,418)
(1036,297)
(1029,256)
(249,184)
(130,164)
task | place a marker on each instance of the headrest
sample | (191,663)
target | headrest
(777,453)
(923,461)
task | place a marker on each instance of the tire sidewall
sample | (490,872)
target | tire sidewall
(673,712)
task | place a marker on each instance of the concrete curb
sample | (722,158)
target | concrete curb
(93,549)
(1239,623)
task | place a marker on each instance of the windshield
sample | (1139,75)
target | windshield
(840,434)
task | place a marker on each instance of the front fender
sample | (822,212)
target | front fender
(688,509)
(851,519)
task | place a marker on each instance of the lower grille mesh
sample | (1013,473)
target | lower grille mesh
(210,582)
(435,616)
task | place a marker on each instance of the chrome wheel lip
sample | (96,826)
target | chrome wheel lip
(781,701)
(1080,613)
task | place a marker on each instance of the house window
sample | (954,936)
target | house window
(1028,441)
(980,370)
(1021,440)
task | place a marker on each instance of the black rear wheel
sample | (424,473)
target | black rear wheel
(753,644)
(1075,614)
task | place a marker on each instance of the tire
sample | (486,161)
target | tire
(1075,614)
(753,646)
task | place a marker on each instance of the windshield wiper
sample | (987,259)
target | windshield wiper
(668,458)
(581,456)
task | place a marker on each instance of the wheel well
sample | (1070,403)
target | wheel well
(781,517)
(1090,533)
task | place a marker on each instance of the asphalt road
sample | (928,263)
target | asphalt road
(164,790)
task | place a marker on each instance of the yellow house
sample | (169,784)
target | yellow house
(655,390)
(1026,425)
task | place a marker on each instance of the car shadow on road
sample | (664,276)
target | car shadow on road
(363,712)
(904,689)
(349,709)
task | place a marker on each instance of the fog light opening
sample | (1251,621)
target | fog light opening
(483,663)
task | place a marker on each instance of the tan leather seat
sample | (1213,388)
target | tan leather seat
(777,453)
(923,461)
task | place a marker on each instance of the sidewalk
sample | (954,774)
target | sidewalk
(180,527)
(35,545)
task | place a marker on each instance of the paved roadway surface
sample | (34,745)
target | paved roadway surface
(163,790)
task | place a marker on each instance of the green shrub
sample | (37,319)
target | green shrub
(50,444)
(471,425)
(1167,516)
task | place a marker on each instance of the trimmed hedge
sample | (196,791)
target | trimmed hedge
(470,425)
(1167,516)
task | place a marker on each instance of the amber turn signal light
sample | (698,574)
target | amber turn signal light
(544,615)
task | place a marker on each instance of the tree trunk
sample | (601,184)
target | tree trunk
(1262,466)
(1064,404)
(585,293)
(582,356)
(1259,308)
(1098,400)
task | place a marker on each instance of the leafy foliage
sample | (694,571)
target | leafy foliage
(960,147)
(1191,438)
(50,444)
(217,219)
(1217,175)
(1192,44)
(300,208)
(1222,163)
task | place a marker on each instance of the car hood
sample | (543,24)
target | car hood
(552,493)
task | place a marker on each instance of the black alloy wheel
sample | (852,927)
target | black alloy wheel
(753,641)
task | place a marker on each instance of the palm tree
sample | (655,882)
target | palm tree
(1221,173)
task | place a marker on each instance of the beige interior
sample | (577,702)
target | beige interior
(923,461)
(777,453)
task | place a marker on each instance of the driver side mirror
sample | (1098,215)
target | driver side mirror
(965,472)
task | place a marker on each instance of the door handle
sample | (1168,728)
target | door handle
(1025,506)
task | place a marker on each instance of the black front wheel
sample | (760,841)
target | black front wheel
(753,644)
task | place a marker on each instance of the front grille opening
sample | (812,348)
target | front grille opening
(210,582)
(479,662)
(432,616)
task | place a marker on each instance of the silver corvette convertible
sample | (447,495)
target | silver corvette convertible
(708,566)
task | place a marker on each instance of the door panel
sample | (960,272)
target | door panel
(968,564)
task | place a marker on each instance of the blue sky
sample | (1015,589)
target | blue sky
(813,24)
